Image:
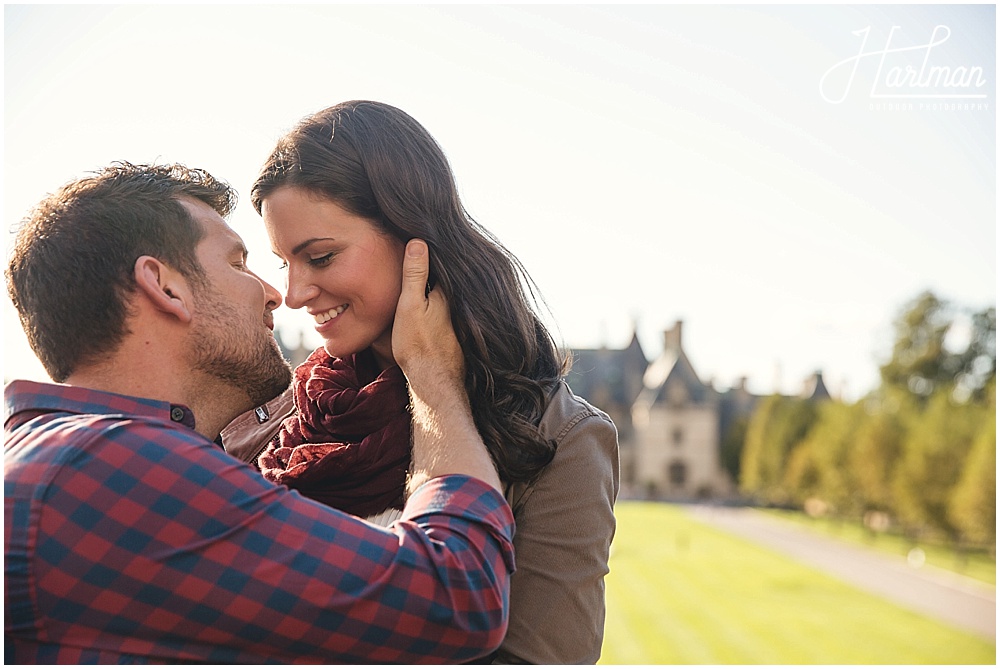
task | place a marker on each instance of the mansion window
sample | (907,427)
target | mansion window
(677,474)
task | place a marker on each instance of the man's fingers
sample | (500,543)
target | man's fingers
(422,332)
(416,267)
(410,334)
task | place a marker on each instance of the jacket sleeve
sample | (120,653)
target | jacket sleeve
(564,526)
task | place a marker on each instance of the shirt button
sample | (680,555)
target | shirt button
(177,414)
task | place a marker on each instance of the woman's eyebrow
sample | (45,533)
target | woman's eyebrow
(307,242)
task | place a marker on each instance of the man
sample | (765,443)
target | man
(131,536)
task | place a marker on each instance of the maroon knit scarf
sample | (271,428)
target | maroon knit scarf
(348,443)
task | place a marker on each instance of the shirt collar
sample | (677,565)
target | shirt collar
(23,396)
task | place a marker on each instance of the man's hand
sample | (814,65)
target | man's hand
(445,439)
(422,334)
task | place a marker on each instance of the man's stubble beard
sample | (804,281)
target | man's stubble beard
(249,362)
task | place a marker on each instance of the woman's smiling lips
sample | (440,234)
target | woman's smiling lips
(329,314)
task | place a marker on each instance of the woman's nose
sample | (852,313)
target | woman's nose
(298,291)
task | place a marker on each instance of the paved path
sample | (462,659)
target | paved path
(943,595)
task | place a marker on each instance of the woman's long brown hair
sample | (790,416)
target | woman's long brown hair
(379,163)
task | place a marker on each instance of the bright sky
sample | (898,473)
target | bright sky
(646,163)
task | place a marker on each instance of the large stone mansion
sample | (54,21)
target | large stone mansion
(670,424)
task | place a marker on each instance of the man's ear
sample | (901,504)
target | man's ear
(165,287)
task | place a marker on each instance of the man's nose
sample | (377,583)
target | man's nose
(272,294)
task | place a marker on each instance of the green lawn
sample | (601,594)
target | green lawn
(682,593)
(974,564)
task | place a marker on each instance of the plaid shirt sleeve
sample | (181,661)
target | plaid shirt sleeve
(143,541)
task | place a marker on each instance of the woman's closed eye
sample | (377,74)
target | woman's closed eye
(323,260)
(318,261)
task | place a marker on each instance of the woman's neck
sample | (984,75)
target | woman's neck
(382,351)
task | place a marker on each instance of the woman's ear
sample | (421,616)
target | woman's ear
(164,287)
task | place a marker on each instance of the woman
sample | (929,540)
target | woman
(340,196)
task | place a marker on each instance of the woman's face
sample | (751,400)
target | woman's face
(341,269)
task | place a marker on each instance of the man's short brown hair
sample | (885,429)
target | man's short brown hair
(71,270)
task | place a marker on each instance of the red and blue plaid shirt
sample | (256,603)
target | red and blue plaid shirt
(129,537)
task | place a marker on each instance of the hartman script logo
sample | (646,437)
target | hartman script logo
(905,72)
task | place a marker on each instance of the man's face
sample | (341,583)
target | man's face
(232,327)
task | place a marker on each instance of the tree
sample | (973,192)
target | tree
(731,449)
(803,478)
(972,507)
(775,427)
(978,363)
(872,461)
(833,440)
(920,364)
(754,470)
(934,450)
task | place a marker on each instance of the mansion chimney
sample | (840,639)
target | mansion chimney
(672,338)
